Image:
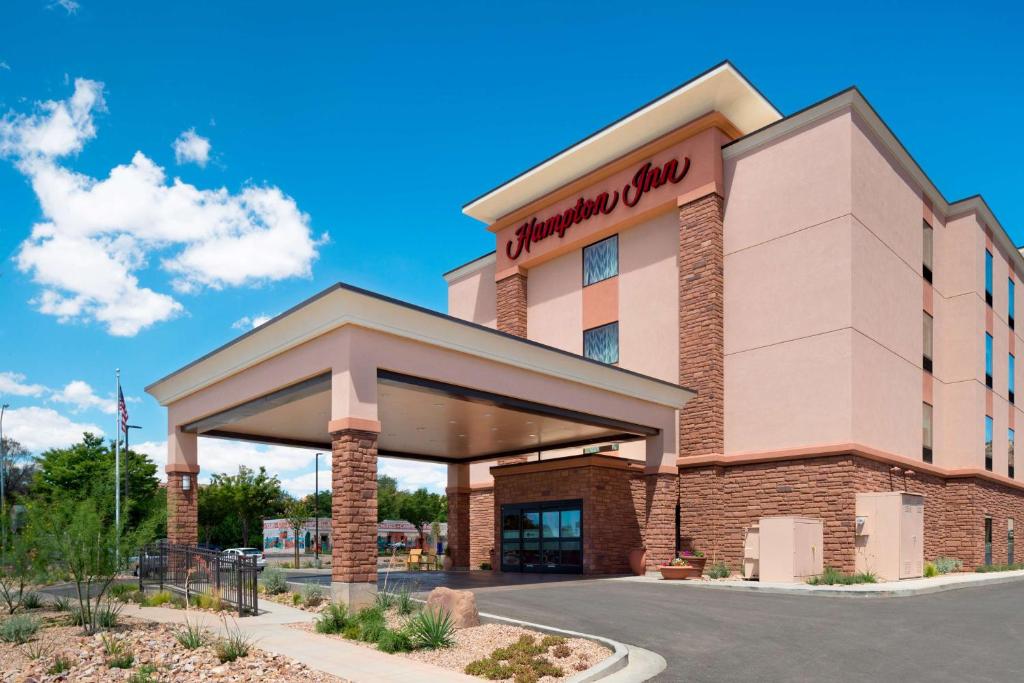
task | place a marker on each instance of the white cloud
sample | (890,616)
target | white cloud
(39,429)
(5,66)
(412,474)
(190,147)
(99,234)
(13,384)
(247,323)
(71,6)
(82,397)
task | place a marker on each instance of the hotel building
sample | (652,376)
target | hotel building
(702,314)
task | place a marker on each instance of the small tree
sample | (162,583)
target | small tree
(23,567)
(85,546)
(297,513)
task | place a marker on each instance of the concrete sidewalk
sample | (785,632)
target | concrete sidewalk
(905,588)
(330,655)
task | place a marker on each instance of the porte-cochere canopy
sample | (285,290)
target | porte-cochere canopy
(365,375)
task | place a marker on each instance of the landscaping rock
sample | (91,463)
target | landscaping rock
(461,605)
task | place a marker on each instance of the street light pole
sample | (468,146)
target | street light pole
(316,510)
(3,492)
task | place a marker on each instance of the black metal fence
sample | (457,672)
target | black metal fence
(193,571)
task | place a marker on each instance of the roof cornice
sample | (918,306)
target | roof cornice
(853,100)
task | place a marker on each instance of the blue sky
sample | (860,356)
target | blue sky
(343,142)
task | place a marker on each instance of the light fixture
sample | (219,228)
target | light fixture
(186,482)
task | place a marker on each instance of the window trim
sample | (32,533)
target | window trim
(583,262)
(618,351)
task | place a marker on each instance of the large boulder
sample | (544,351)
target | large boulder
(461,605)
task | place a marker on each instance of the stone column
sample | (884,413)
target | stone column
(511,304)
(481,528)
(660,525)
(458,526)
(182,504)
(701,325)
(354,516)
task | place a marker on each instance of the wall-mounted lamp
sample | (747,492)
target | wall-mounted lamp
(186,482)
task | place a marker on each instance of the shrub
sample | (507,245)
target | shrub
(190,636)
(122,591)
(334,619)
(986,568)
(296,599)
(930,570)
(144,674)
(76,617)
(107,615)
(312,595)
(394,641)
(561,651)
(832,576)
(371,623)
(61,665)
(384,600)
(946,565)
(719,570)
(121,657)
(211,602)
(37,651)
(520,661)
(551,641)
(274,581)
(62,604)
(32,600)
(234,645)
(432,629)
(18,629)
(157,599)
(486,566)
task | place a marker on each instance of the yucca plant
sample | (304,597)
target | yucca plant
(333,619)
(121,657)
(60,665)
(233,645)
(62,603)
(404,601)
(36,651)
(31,600)
(107,615)
(432,629)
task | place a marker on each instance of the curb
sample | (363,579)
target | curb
(823,592)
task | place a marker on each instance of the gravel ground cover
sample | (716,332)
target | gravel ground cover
(478,642)
(151,644)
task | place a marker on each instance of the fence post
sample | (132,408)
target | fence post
(239,568)
(163,565)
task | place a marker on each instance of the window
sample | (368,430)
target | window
(926,270)
(926,439)
(988,443)
(988,277)
(601,260)
(1011,371)
(988,360)
(1009,453)
(929,324)
(1011,294)
(988,540)
(602,343)
(1009,540)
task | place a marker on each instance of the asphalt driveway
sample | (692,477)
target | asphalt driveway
(973,634)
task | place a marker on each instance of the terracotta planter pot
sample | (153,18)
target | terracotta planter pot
(697,562)
(679,573)
(638,561)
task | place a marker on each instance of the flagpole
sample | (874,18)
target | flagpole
(117,462)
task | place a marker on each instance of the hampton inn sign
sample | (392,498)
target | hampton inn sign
(646,178)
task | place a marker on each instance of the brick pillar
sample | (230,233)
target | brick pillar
(481,528)
(512,304)
(182,506)
(458,526)
(701,325)
(660,526)
(354,516)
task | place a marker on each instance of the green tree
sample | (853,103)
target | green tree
(20,468)
(250,496)
(297,512)
(85,470)
(388,498)
(421,507)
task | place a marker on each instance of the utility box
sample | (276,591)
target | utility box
(790,549)
(890,534)
(751,552)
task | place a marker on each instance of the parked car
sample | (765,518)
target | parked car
(248,553)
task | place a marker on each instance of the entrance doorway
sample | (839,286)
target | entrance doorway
(542,537)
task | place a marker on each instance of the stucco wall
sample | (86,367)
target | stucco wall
(472,297)
(554,296)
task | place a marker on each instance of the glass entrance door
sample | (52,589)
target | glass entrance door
(542,537)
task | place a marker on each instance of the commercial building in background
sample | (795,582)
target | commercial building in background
(703,314)
(279,537)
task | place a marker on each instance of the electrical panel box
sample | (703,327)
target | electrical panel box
(790,549)
(890,543)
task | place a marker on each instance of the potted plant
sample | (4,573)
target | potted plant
(689,565)
(638,561)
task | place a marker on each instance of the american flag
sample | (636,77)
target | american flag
(123,409)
